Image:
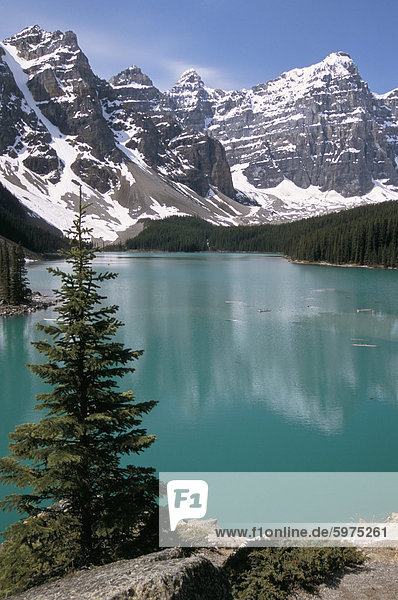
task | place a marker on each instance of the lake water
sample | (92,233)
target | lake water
(238,389)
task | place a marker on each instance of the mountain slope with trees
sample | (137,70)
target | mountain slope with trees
(17,225)
(367,235)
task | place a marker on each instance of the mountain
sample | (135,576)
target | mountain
(316,135)
(185,156)
(62,127)
(313,140)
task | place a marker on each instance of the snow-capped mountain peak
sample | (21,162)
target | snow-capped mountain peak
(335,65)
(62,127)
(189,78)
(313,139)
(189,100)
(338,57)
(34,44)
(298,82)
(316,126)
(129,77)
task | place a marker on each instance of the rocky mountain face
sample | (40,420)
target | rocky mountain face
(63,128)
(313,140)
(60,80)
(320,126)
(183,154)
(190,102)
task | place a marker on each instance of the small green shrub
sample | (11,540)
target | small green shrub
(273,573)
(36,550)
(48,547)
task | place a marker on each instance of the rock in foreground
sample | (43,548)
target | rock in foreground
(159,576)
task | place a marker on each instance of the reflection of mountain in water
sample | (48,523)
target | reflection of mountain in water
(296,361)
(18,384)
(276,391)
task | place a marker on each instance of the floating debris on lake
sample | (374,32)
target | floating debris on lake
(364,345)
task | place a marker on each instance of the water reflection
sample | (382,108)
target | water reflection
(207,346)
(18,385)
(240,389)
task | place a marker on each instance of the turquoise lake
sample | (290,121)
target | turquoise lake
(239,389)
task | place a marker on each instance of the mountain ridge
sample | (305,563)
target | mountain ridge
(309,97)
(313,140)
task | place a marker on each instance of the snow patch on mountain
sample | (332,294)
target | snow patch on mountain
(62,147)
(287,201)
(139,153)
(54,201)
(162,211)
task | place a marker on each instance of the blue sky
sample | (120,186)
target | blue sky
(232,43)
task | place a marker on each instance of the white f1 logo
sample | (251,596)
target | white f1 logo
(187,499)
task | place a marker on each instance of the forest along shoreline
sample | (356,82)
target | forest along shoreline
(322,263)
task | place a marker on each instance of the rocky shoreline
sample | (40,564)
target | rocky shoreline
(322,263)
(37,302)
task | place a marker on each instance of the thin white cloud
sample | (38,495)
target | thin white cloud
(109,54)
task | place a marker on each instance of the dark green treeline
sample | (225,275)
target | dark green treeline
(13,275)
(16,225)
(367,235)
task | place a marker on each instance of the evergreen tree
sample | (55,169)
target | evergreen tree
(74,453)
(4,273)
(19,290)
(13,275)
